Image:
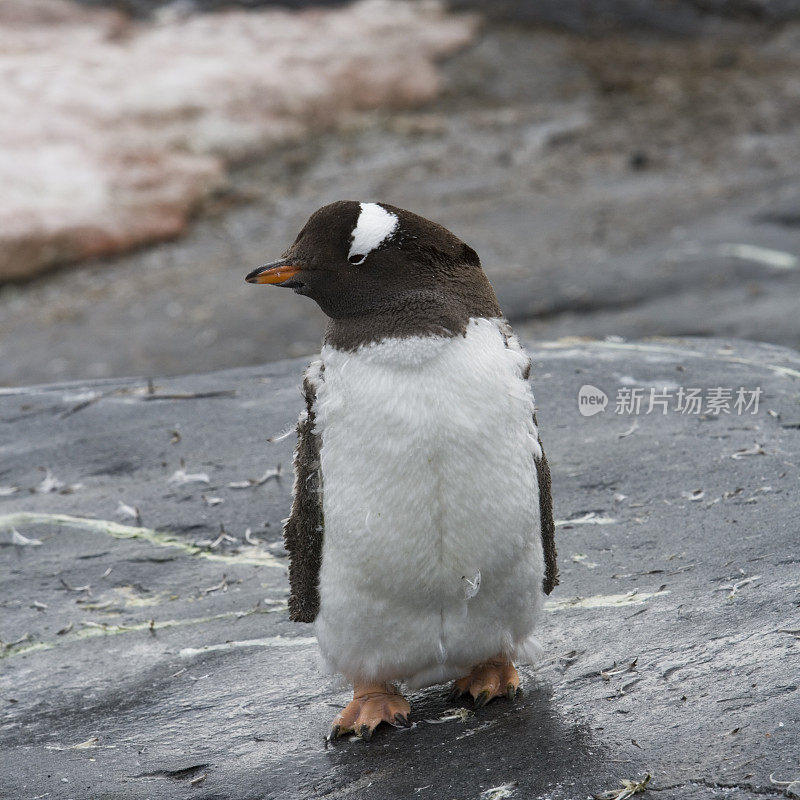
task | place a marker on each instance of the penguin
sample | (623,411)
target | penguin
(421,532)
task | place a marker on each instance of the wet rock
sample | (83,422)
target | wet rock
(527,157)
(112,133)
(672,17)
(153,656)
(675,16)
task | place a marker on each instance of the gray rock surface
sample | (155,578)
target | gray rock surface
(152,657)
(673,17)
(680,17)
(602,181)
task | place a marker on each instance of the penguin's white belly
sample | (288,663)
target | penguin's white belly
(429,485)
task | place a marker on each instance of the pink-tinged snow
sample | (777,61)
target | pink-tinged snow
(112,132)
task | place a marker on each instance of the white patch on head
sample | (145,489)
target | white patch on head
(375,225)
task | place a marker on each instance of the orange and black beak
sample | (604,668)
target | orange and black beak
(277,272)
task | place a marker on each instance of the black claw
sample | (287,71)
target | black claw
(482,699)
(335,732)
(455,693)
(402,720)
(511,691)
(365,732)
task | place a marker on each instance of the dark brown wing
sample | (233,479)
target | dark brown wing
(548,525)
(303,531)
(547,522)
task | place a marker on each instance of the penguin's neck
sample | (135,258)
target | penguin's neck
(422,313)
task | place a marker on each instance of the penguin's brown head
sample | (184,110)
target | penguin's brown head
(361,260)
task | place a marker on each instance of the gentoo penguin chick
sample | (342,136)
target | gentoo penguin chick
(421,535)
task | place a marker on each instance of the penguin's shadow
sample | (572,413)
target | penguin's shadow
(451,749)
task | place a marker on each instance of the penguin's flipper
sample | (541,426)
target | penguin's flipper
(303,531)
(548,524)
(372,704)
(494,678)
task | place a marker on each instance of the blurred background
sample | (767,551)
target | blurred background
(623,167)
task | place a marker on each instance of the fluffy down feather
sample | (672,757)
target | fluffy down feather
(428,457)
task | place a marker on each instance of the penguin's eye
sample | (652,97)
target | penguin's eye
(357,258)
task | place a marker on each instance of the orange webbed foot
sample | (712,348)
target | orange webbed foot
(371,705)
(493,678)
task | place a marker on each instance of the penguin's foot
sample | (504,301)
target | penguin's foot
(494,678)
(372,704)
